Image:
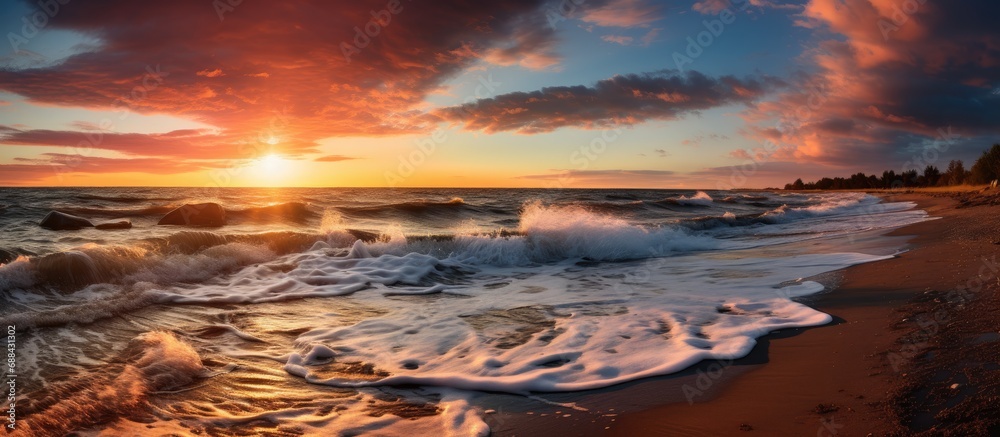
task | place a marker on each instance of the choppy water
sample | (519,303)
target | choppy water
(283,322)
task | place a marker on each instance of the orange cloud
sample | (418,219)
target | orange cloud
(893,75)
(270,70)
(622,13)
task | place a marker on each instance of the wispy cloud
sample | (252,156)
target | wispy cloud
(334,158)
(618,39)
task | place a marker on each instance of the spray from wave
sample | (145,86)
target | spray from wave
(699,199)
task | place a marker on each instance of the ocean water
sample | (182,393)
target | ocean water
(283,322)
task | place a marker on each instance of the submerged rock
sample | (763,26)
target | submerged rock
(118,224)
(193,241)
(71,268)
(200,214)
(58,221)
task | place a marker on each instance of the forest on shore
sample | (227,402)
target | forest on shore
(985,170)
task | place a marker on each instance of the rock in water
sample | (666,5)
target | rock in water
(200,214)
(119,224)
(68,269)
(58,221)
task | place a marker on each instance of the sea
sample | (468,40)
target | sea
(354,311)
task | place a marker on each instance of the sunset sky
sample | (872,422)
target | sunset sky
(578,93)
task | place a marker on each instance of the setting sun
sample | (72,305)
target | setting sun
(271,162)
(270,169)
(473,218)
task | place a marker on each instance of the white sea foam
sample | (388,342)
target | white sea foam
(574,300)
(832,205)
(16,274)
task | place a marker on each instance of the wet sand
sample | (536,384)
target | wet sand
(905,331)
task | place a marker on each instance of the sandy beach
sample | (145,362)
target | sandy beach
(911,350)
(534,217)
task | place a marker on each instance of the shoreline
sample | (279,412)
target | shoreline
(848,377)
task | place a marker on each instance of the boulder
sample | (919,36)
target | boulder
(117,224)
(58,221)
(193,241)
(68,269)
(200,214)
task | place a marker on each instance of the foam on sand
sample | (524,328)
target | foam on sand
(571,300)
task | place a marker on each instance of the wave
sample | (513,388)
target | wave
(183,257)
(216,268)
(613,207)
(295,211)
(561,232)
(621,197)
(153,362)
(83,211)
(544,234)
(292,211)
(420,207)
(547,234)
(126,199)
(785,213)
(699,199)
(828,206)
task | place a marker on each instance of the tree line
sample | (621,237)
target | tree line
(985,170)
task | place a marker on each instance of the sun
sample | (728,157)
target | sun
(271,170)
(271,162)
